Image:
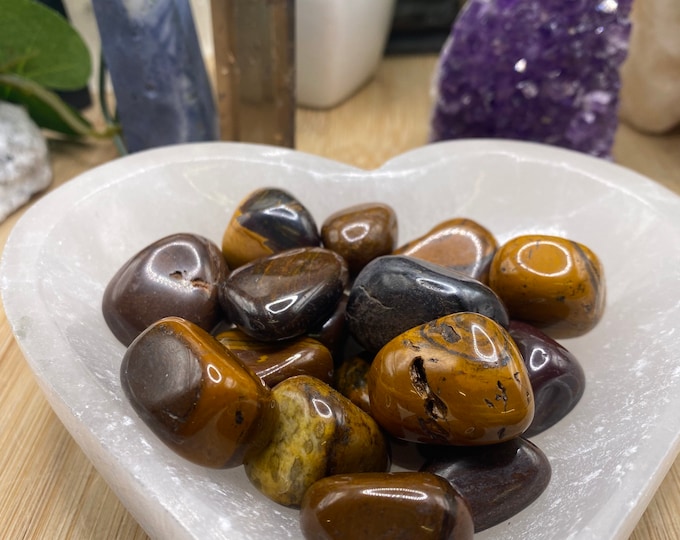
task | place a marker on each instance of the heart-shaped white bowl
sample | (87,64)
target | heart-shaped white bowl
(608,455)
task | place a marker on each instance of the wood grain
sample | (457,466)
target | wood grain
(48,488)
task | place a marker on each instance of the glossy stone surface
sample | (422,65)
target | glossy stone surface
(177,275)
(396,292)
(395,506)
(274,362)
(457,380)
(497,480)
(550,282)
(556,376)
(267,221)
(284,295)
(361,233)
(195,396)
(534,70)
(351,379)
(333,332)
(318,433)
(460,244)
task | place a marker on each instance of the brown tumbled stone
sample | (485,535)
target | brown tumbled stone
(460,244)
(395,506)
(497,480)
(284,295)
(195,396)
(361,233)
(177,275)
(274,362)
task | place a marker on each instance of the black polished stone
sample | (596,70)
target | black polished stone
(395,293)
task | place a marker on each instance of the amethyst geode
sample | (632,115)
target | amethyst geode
(536,70)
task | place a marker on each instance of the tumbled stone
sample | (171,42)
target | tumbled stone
(361,233)
(399,505)
(556,376)
(284,295)
(333,331)
(274,362)
(498,480)
(396,292)
(351,379)
(460,244)
(24,159)
(534,70)
(457,380)
(195,395)
(268,221)
(318,433)
(550,282)
(176,275)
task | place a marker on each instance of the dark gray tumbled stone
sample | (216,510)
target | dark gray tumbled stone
(395,293)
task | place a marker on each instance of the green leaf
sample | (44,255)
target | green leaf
(39,44)
(47,109)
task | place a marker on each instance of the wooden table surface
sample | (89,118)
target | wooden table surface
(48,488)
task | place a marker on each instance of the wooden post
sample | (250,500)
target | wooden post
(255,70)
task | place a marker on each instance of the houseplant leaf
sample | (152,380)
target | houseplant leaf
(47,109)
(37,43)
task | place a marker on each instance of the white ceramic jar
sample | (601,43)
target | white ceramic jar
(339,45)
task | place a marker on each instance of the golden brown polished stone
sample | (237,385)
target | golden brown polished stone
(457,380)
(550,282)
(195,396)
(274,362)
(395,506)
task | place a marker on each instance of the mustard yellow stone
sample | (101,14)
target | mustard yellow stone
(550,282)
(457,380)
(350,379)
(318,433)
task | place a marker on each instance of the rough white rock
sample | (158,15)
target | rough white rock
(24,159)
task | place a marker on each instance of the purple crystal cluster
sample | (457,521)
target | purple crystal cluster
(536,70)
